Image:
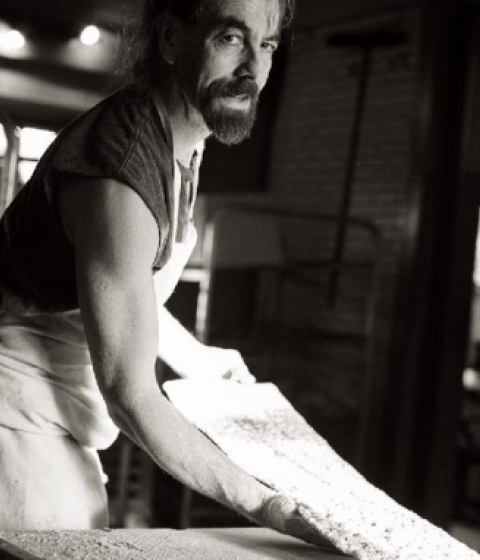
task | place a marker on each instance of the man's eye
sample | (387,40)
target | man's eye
(269,47)
(232,40)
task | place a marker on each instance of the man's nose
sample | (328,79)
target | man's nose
(251,65)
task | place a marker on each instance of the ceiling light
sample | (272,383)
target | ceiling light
(90,35)
(12,40)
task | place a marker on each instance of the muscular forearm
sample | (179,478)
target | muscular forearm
(181,450)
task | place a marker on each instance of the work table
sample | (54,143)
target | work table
(159,544)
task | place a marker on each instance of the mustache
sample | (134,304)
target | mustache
(232,88)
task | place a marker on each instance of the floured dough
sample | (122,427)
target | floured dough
(261,432)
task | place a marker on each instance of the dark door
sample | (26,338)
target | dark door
(434,293)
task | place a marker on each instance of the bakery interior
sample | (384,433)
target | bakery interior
(366,314)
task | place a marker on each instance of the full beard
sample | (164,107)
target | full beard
(229,125)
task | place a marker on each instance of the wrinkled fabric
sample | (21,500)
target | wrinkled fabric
(185,236)
(52,420)
(47,383)
(49,482)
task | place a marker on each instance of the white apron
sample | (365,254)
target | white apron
(53,417)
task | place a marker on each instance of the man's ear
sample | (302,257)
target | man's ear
(168,38)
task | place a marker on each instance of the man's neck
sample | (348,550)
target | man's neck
(188,127)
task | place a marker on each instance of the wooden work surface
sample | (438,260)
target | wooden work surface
(159,544)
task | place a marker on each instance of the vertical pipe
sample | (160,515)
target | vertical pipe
(366,42)
(350,173)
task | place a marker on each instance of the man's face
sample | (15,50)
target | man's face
(224,61)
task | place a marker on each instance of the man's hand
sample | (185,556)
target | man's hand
(191,359)
(282,514)
(211,363)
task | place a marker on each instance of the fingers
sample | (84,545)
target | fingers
(283,514)
(221,363)
(279,509)
(239,371)
(241,376)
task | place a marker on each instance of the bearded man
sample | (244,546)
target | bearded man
(90,251)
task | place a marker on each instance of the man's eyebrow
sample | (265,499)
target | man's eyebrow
(230,21)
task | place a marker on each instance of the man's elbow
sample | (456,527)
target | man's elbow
(124,398)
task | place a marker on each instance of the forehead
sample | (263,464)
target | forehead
(256,14)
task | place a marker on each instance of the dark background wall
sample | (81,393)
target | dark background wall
(313,140)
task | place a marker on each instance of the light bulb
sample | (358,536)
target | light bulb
(90,35)
(12,40)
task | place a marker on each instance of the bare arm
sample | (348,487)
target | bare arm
(115,239)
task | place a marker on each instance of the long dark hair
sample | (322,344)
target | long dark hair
(138,58)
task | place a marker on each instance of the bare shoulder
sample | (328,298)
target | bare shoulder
(107,219)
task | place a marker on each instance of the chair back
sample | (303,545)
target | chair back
(243,237)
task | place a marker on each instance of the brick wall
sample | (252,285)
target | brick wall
(310,150)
